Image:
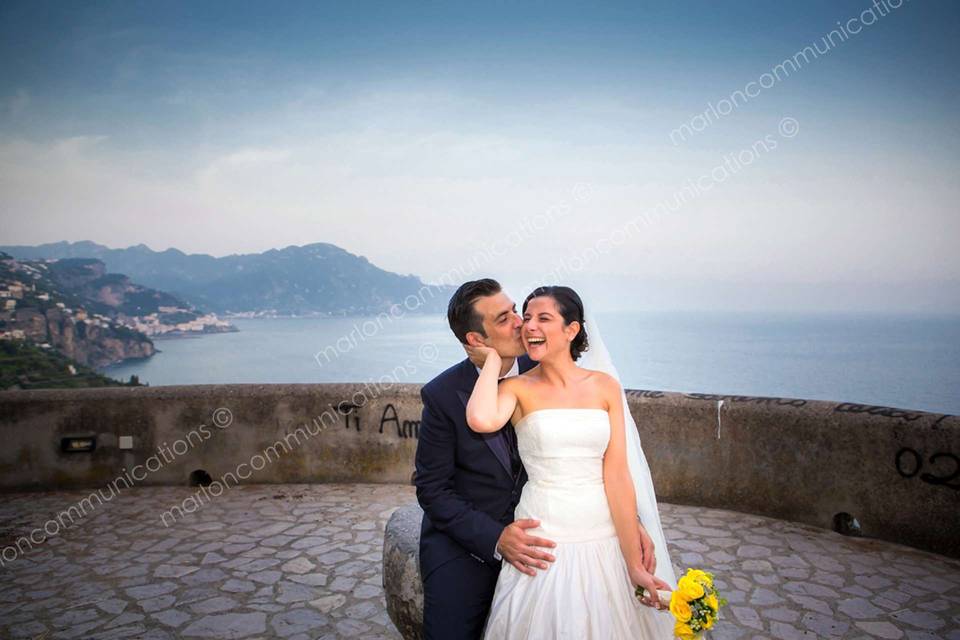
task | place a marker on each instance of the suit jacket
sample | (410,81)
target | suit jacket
(464,483)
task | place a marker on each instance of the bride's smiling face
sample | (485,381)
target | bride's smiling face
(545,335)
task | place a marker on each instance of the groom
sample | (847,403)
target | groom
(469,483)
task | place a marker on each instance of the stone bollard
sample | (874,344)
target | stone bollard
(401,571)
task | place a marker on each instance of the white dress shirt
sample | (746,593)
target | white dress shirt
(514,370)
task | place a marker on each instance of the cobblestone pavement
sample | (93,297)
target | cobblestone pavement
(303,562)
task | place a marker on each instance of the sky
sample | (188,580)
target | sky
(654,153)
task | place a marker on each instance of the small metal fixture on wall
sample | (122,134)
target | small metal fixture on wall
(78,444)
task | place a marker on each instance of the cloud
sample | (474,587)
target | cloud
(416,185)
(253,157)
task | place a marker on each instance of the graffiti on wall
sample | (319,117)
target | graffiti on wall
(389,419)
(405,428)
(346,409)
(643,393)
(787,402)
(909,462)
(875,410)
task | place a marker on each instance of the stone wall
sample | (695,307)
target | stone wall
(895,471)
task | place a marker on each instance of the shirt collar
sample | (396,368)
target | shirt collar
(514,370)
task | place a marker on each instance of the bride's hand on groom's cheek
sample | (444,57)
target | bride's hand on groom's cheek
(478,354)
(523,550)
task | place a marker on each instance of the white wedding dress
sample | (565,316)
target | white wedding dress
(586,593)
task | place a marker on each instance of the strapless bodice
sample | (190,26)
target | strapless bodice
(562,450)
(564,445)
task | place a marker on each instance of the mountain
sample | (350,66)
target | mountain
(73,307)
(318,278)
(86,282)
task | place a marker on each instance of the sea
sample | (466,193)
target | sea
(903,361)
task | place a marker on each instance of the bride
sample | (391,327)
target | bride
(572,428)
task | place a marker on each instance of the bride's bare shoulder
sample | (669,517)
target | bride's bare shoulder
(606,387)
(602,378)
(512,382)
(517,382)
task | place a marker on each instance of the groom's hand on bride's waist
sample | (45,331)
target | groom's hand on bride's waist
(523,550)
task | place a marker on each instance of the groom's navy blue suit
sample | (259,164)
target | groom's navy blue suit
(468,485)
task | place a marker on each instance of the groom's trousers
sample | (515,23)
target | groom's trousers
(456,599)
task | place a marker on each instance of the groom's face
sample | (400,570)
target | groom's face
(502,323)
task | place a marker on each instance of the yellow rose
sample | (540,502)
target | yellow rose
(690,588)
(708,623)
(712,602)
(680,610)
(677,596)
(683,631)
(700,576)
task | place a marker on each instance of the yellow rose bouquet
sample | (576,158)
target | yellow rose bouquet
(695,604)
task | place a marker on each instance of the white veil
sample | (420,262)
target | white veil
(598,358)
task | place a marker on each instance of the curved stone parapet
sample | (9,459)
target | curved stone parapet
(887,473)
(401,571)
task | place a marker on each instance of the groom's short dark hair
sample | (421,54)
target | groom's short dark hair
(460,312)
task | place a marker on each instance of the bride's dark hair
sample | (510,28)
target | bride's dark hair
(571,308)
